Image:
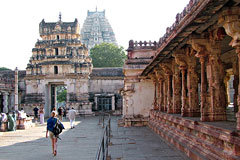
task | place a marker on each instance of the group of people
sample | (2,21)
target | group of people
(10,119)
(61,112)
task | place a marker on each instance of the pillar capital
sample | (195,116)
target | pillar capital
(153,77)
(159,74)
(199,44)
(166,67)
(230,20)
(180,58)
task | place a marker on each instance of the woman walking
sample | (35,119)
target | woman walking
(41,112)
(50,128)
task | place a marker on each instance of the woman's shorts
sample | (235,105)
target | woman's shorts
(51,135)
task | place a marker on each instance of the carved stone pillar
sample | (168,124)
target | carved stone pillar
(155,96)
(169,95)
(177,82)
(180,59)
(184,94)
(192,85)
(168,88)
(16,90)
(235,83)
(165,98)
(230,20)
(5,102)
(216,97)
(159,76)
(154,79)
(161,101)
(203,95)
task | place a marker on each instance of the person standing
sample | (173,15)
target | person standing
(35,110)
(41,113)
(11,123)
(64,112)
(72,116)
(60,113)
(50,127)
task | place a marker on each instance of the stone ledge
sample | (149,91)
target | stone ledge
(197,140)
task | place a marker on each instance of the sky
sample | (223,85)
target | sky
(130,19)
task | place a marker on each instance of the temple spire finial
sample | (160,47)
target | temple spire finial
(60,16)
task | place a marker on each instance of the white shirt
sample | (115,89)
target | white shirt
(72,114)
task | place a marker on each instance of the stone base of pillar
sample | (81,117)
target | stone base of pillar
(170,111)
(238,121)
(161,108)
(210,117)
(177,111)
(192,114)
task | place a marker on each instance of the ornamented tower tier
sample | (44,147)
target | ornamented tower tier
(58,59)
(96,30)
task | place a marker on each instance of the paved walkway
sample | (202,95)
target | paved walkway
(81,143)
(140,143)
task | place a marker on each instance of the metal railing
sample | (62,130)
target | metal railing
(102,152)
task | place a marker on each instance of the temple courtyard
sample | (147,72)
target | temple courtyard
(81,143)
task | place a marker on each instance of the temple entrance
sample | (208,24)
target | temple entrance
(56,97)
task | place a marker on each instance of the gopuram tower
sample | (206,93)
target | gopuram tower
(96,30)
(58,59)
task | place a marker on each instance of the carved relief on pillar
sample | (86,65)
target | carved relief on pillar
(160,78)
(230,20)
(192,84)
(155,81)
(180,59)
(177,82)
(166,67)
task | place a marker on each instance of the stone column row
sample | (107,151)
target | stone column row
(230,20)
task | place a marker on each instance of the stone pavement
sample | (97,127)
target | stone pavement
(80,143)
(140,143)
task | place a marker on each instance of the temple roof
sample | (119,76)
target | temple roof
(58,27)
(107,72)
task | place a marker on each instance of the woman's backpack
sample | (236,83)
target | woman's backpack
(58,127)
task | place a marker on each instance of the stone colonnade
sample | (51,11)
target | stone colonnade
(192,82)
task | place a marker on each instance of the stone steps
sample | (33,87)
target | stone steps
(186,144)
(195,139)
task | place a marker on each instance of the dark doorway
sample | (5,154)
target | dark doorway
(53,97)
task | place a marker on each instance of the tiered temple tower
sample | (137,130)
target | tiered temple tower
(96,30)
(58,59)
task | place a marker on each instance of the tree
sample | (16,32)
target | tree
(107,55)
(62,95)
(4,69)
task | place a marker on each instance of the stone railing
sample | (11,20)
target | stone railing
(142,45)
(179,19)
